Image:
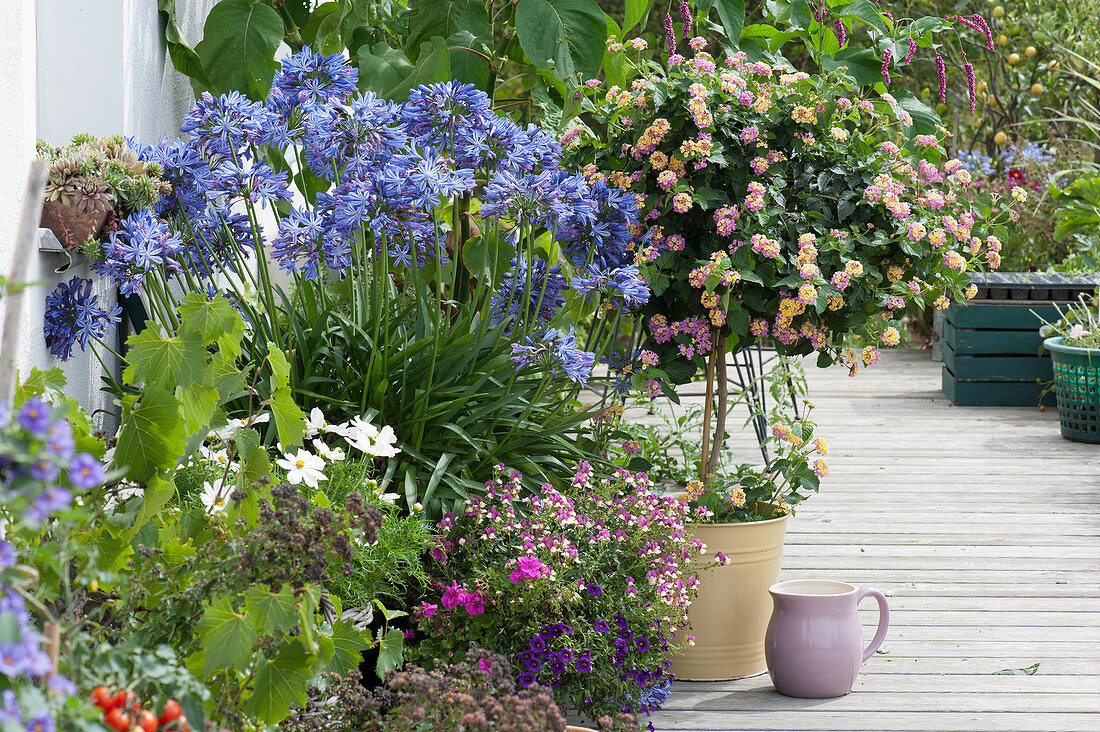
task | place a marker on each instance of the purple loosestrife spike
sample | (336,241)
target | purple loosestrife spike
(912,51)
(841,34)
(685,18)
(886,66)
(670,34)
(969,69)
(941,76)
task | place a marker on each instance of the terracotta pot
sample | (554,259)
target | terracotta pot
(71,228)
(574,728)
(730,616)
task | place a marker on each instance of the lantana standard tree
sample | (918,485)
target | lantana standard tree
(782,206)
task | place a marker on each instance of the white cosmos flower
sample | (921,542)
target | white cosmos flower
(215,496)
(367,438)
(304,467)
(390,498)
(332,454)
(220,458)
(236,425)
(317,424)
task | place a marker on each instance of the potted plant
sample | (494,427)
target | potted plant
(92,182)
(785,207)
(580,587)
(1074,345)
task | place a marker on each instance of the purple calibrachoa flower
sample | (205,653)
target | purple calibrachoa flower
(7,554)
(85,472)
(34,417)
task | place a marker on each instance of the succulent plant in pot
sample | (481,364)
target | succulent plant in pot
(92,182)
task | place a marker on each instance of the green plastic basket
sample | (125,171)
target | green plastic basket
(1077,386)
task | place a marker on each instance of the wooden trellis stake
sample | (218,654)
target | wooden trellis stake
(24,250)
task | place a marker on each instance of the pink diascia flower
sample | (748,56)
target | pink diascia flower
(1077,331)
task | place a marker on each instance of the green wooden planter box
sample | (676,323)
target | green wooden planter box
(991,354)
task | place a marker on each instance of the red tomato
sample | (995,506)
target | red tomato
(117,720)
(171,711)
(101,697)
(147,721)
(118,700)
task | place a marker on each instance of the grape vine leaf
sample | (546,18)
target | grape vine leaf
(280,682)
(227,636)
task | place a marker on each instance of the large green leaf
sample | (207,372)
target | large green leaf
(152,437)
(161,362)
(866,11)
(227,637)
(388,72)
(348,646)
(390,651)
(270,611)
(570,34)
(860,63)
(444,18)
(280,682)
(184,58)
(289,418)
(433,64)
(731,13)
(467,66)
(157,493)
(635,12)
(213,321)
(924,118)
(238,47)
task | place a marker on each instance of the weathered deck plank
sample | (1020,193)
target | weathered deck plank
(983,527)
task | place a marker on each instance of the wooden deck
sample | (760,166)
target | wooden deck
(981,524)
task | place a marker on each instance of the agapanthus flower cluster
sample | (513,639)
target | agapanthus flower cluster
(586,586)
(810,244)
(74,316)
(41,467)
(388,169)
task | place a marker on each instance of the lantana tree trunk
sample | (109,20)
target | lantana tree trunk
(712,446)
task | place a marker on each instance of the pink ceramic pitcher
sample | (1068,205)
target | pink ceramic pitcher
(814,644)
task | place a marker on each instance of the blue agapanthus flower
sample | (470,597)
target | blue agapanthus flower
(306,244)
(73,315)
(311,77)
(624,285)
(141,244)
(976,162)
(555,349)
(223,127)
(601,235)
(528,294)
(435,113)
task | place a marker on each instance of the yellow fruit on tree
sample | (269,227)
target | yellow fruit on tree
(982,86)
(1052,66)
(1000,138)
(1013,59)
(1002,39)
(1036,89)
(998,12)
(991,99)
(1030,52)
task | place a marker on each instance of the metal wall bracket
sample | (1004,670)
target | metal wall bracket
(48,243)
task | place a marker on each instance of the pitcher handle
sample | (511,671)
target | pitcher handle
(883,619)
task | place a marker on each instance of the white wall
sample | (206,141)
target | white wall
(96,66)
